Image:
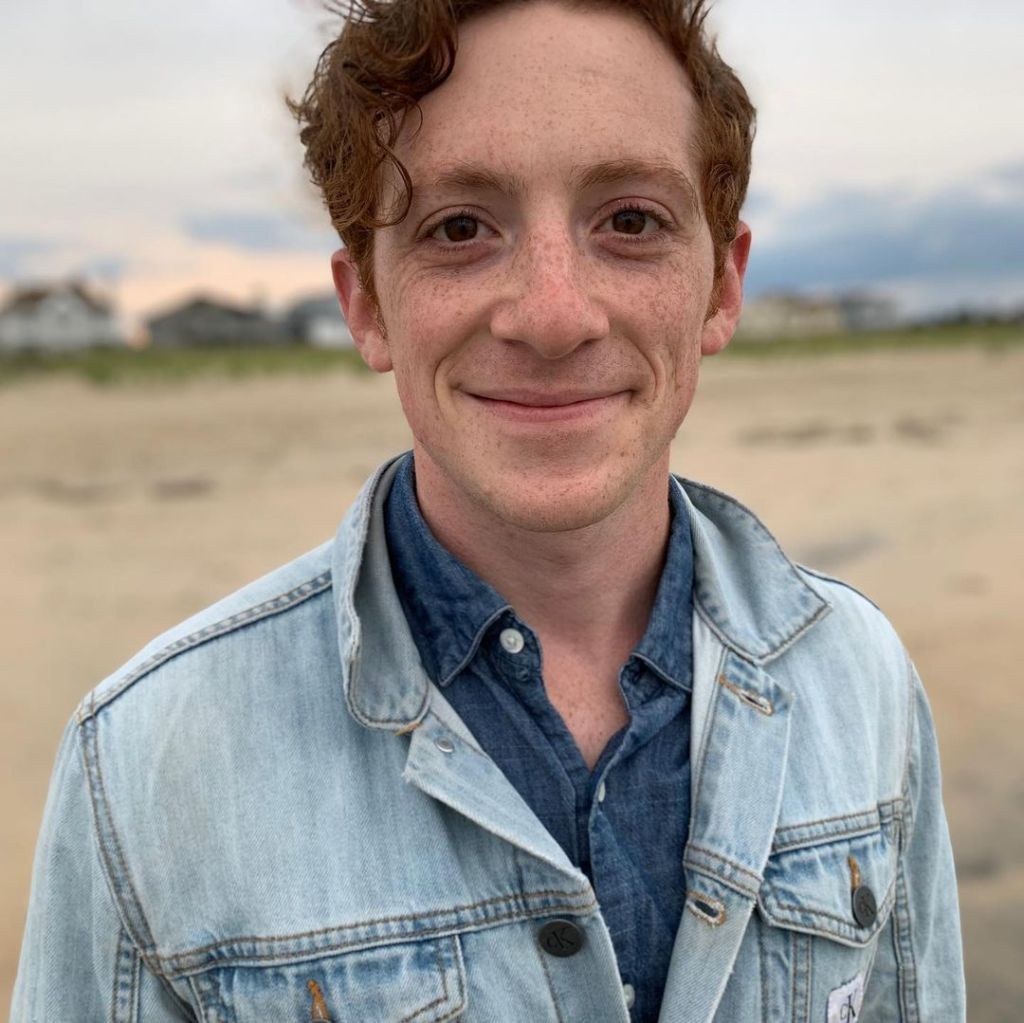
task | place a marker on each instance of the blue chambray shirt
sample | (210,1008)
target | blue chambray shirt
(625,823)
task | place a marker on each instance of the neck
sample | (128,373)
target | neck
(589,589)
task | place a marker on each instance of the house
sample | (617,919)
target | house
(58,317)
(862,310)
(317,320)
(204,321)
(782,314)
(787,314)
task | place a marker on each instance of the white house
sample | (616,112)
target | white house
(59,317)
(788,314)
(317,321)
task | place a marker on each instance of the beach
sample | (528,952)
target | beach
(123,509)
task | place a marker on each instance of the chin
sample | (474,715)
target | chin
(554,502)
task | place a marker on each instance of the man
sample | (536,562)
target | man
(544,733)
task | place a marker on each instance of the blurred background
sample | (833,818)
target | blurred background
(181,410)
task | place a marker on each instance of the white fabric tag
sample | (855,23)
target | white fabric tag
(844,1002)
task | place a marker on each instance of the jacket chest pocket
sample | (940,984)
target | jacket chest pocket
(822,908)
(415,982)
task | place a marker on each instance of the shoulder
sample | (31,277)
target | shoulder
(853,712)
(822,641)
(857,628)
(202,651)
(770,608)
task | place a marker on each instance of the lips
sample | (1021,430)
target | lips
(540,399)
(537,408)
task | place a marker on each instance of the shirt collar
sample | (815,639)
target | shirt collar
(749,595)
(667,644)
(447,605)
(450,608)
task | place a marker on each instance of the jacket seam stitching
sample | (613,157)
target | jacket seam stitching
(460,974)
(883,908)
(409,917)
(766,532)
(257,612)
(793,974)
(744,871)
(808,975)
(136,981)
(444,998)
(698,771)
(101,807)
(826,578)
(785,642)
(430,932)
(907,971)
(115,994)
(832,836)
(551,990)
(762,964)
(879,810)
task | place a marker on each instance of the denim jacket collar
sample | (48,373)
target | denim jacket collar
(746,591)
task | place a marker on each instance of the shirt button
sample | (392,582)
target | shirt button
(511,640)
(560,938)
(601,792)
(629,992)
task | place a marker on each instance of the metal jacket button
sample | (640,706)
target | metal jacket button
(560,938)
(865,909)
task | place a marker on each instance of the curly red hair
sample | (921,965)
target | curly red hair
(391,53)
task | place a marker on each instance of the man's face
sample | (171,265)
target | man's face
(544,304)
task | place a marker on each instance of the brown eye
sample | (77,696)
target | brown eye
(460,229)
(629,222)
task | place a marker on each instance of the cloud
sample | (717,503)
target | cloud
(17,253)
(1012,173)
(959,238)
(259,232)
(109,269)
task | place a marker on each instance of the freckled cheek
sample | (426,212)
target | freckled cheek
(667,329)
(425,361)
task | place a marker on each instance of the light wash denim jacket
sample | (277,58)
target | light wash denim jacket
(271,814)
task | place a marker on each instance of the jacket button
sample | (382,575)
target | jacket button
(560,938)
(865,909)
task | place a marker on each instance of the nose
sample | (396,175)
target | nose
(549,304)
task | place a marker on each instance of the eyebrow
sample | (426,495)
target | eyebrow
(467,176)
(476,178)
(610,172)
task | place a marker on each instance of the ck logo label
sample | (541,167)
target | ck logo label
(844,1002)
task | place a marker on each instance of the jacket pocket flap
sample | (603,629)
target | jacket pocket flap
(414,982)
(841,889)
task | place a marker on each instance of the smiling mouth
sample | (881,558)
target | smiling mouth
(548,408)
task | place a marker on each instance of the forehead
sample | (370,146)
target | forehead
(539,88)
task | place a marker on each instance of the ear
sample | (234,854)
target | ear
(360,313)
(720,327)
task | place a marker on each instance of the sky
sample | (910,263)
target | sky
(146,148)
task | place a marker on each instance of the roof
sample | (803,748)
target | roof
(200,303)
(26,299)
(315,306)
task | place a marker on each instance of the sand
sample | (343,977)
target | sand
(122,510)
